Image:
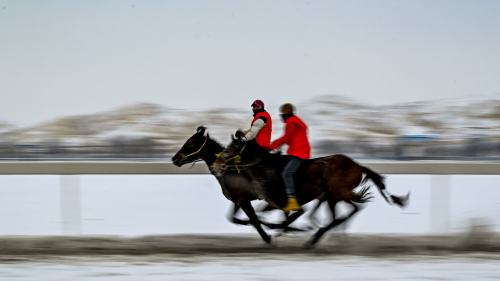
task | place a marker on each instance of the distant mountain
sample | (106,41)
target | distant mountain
(335,116)
(4,127)
(337,124)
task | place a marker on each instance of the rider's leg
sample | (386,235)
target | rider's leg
(291,167)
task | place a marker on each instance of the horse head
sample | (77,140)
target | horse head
(192,149)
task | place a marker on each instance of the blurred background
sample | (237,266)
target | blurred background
(450,129)
(128,79)
(382,81)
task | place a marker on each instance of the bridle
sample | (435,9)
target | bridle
(184,157)
(237,159)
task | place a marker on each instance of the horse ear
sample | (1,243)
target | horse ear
(201,130)
(239,134)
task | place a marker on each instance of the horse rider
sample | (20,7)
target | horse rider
(295,137)
(261,125)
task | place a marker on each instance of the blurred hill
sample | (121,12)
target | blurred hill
(464,128)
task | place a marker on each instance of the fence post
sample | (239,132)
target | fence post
(70,202)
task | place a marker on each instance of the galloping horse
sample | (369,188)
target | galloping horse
(331,178)
(236,186)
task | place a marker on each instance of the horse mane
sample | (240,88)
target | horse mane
(215,142)
(202,130)
(256,147)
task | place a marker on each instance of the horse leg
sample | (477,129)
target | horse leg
(312,214)
(290,219)
(335,221)
(267,208)
(285,225)
(282,225)
(232,216)
(250,212)
(293,217)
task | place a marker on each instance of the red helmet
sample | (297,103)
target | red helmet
(258,104)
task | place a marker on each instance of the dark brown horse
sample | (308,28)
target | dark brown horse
(331,178)
(237,186)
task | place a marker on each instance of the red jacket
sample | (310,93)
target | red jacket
(263,137)
(295,137)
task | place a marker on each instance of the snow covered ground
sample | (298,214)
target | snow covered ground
(267,268)
(146,205)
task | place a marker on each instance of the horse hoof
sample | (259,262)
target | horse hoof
(272,244)
(279,234)
(268,240)
(309,245)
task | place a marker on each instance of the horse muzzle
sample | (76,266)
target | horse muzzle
(218,168)
(177,160)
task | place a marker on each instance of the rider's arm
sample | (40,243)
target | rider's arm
(290,130)
(254,130)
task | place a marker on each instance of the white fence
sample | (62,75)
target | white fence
(440,172)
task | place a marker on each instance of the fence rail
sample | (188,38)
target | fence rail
(164,168)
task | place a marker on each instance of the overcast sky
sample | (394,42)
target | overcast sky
(72,57)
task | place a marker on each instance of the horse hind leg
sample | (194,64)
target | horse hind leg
(335,221)
(313,220)
(250,212)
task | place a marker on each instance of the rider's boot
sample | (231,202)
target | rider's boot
(292,205)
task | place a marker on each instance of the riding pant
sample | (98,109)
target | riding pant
(291,167)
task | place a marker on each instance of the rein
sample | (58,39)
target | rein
(237,157)
(237,160)
(242,167)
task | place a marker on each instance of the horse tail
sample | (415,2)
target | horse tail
(378,180)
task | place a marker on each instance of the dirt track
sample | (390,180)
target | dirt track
(243,245)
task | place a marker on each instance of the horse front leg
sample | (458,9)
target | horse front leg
(232,216)
(250,212)
(267,207)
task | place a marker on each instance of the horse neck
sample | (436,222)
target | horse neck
(266,159)
(255,152)
(208,154)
